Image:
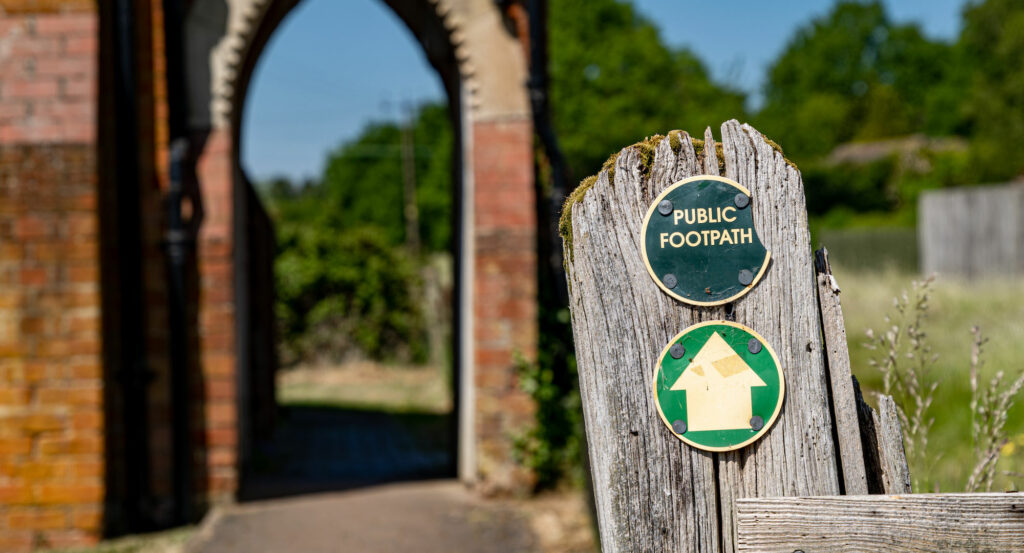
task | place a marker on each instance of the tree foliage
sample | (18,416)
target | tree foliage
(852,74)
(345,286)
(362,181)
(993,46)
(614,82)
(346,294)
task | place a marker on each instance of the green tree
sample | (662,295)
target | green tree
(614,82)
(993,42)
(854,75)
(344,284)
(362,182)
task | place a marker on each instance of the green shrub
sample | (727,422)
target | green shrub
(346,294)
(553,448)
(857,187)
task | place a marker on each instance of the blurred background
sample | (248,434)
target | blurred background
(877,102)
(307,176)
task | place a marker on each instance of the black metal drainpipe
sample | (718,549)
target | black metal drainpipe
(133,372)
(177,245)
(541,107)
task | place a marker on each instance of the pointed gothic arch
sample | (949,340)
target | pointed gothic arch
(482,63)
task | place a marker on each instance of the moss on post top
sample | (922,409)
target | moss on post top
(645,148)
(775,146)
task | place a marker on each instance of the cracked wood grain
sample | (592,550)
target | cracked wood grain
(844,401)
(653,492)
(918,523)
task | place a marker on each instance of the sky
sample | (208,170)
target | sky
(332,67)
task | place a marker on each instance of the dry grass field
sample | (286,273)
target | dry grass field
(367,385)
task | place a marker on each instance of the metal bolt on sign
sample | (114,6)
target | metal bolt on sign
(665,207)
(756,423)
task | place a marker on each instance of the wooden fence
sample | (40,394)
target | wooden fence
(973,231)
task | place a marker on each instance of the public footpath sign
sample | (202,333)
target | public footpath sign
(699,242)
(718,386)
(667,224)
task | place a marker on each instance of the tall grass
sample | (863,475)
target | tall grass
(905,360)
(928,351)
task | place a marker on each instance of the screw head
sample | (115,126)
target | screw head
(741,200)
(746,277)
(679,427)
(754,346)
(756,423)
(665,207)
(677,351)
(669,280)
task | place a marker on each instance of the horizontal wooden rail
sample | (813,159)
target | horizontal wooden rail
(961,522)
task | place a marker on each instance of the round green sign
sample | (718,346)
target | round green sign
(718,386)
(699,242)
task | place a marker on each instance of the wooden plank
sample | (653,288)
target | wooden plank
(844,401)
(915,523)
(891,455)
(885,461)
(653,492)
(869,441)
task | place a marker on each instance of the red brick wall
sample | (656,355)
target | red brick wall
(51,407)
(505,293)
(48,78)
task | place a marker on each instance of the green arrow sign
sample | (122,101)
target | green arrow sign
(718,386)
(699,242)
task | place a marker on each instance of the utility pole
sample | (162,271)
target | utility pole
(411,211)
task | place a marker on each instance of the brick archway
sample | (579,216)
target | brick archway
(482,64)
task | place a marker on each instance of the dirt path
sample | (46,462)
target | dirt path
(422,517)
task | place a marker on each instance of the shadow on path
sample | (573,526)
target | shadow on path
(422,517)
(323,448)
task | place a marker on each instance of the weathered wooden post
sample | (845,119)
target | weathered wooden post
(653,491)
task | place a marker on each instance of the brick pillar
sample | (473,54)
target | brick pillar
(504,293)
(51,389)
(218,419)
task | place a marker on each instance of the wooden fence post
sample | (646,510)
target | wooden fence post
(653,492)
